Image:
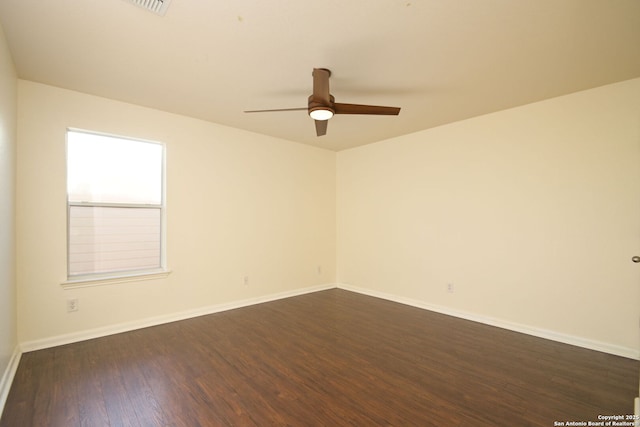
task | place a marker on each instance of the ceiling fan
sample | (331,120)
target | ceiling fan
(322,105)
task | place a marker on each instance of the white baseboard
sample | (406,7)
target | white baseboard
(159,320)
(630,353)
(7,377)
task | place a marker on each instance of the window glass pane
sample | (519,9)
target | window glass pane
(105,169)
(108,239)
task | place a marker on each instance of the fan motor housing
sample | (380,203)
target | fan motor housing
(316,105)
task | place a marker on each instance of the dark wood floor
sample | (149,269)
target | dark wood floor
(331,358)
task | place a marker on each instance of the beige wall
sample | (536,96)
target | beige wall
(8,106)
(531,213)
(238,204)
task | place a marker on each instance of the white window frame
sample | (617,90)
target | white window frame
(94,279)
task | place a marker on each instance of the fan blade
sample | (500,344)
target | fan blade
(278,109)
(321,127)
(321,86)
(365,109)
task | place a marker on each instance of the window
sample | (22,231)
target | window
(115,203)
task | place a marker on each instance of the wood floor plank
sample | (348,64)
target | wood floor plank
(328,358)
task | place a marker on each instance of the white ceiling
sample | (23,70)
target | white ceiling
(440,60)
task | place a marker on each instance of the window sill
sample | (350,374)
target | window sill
(87,281)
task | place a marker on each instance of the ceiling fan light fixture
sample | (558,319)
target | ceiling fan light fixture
(321,105)
(321,114)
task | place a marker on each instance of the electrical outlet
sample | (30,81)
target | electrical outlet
(450,288)
(246,280)
(72,305)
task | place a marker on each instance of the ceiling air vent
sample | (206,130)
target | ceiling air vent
(156,6)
